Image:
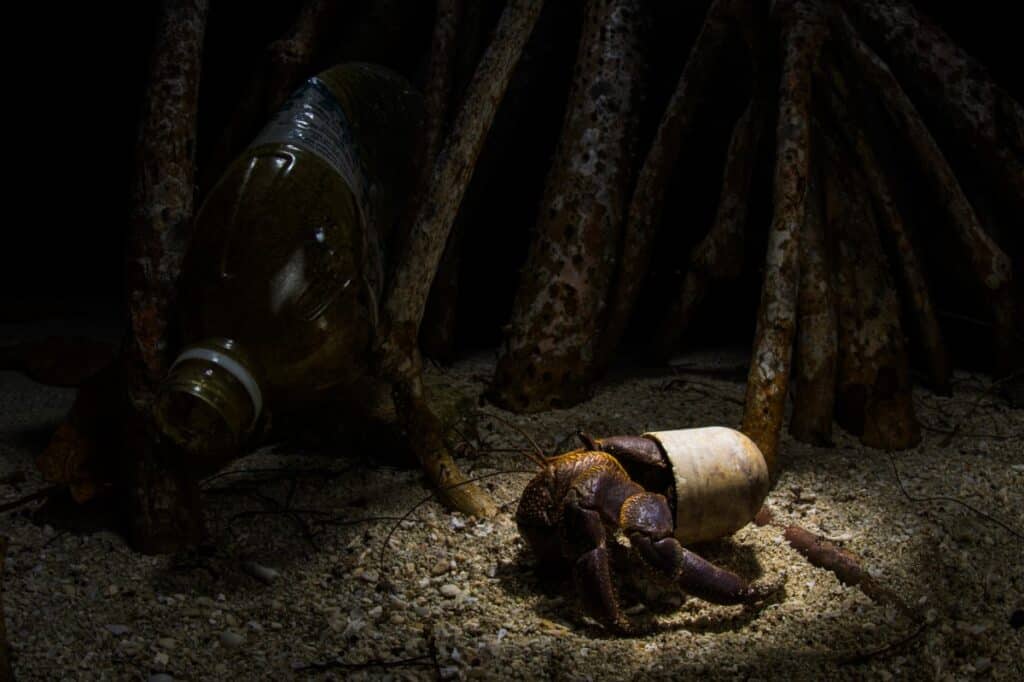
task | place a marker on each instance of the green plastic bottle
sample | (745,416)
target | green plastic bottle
(279,289)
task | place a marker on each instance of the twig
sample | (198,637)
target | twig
(942,498)
(977,404)
(522,432)
(702,388)
(421,661)
(842,563)
(31,497)
(888,648)
(5,659)
(406,515)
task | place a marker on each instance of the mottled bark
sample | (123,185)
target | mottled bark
(437,335)
(287,62)
(719,256)
(909,267)
(873,398)
(417,263)
(985,117)
(648,196)
(425,434)
(162,507)
(845,565)
(164,512)
(814,374)
(802,33)
(437,93)
(548,357)
(991,266)
(163,194)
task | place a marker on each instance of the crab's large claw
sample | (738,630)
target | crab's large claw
(647,521)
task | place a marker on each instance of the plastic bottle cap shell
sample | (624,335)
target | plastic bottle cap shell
(232,367)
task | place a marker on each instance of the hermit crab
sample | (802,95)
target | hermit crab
(658,491)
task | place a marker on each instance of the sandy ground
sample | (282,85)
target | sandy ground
(297,581)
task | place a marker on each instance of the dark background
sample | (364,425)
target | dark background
(79,76)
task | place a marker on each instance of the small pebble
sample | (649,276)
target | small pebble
(161,659)
(231,639)
(369,576)
(160,677)
(375,612)
(449,590)
(262,573)
(166,642)
(440,568)
(118,629)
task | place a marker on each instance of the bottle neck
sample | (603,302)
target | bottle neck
(210,401)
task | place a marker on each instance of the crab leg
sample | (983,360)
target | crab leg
(592,570)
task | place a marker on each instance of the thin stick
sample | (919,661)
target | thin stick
(422,661)
(943,498)
(5,660)
(540,459)
(406,515)
(42,494)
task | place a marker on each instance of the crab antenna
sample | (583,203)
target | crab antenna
(538,458)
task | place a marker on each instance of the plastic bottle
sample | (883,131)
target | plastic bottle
(279,289)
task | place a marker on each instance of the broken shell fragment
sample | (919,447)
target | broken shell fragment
(721,480)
